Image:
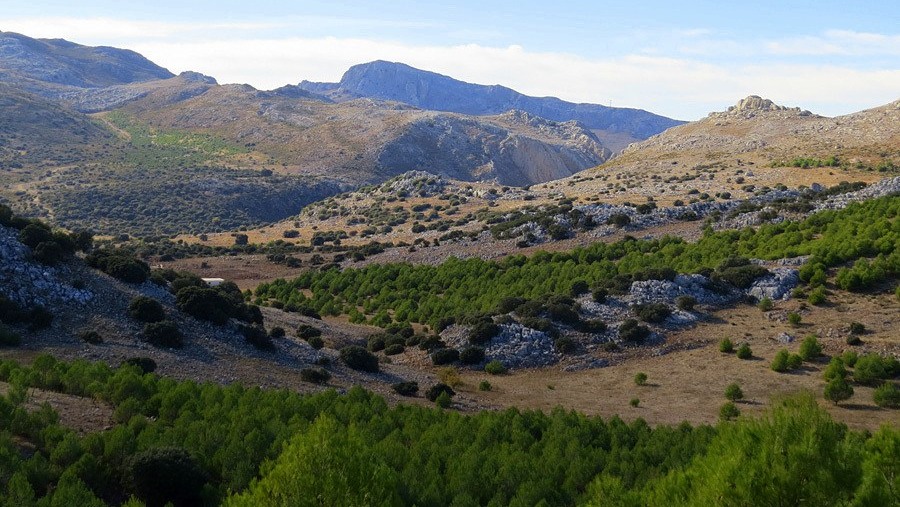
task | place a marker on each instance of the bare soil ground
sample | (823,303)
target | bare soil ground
(81,414)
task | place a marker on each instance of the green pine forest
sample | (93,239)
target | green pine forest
(858,244)
(205,444)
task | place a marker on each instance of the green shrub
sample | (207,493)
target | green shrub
(835,369)
(256,335)
(634,402)
(164,333)
(8,337)
(599,295)
(652,312)
(593,326)
(810,348)
(145,364)
(484,385)
(857,328)
(444,356)
(853,340)
(686,303)
(765,304)
(375,342)
(359,358)
(436,390)
(871,369)
(92,337)
(565,345)
(203,303)
(631,331)
(838,390)
(578,288)
(640,378)
(726,346)
(483,332)
(729,411)
(408,388)
(316,342)
(276,332)
(146,309)
(619,220)
(305,331)
(166,474)
(794,319)
(744,352)
(495,367)
(816,296)
(733,392)
(394,349)
(849,357)
(119,264)
(794,361)
(780,362)
(472,355)
(887,395)
(315,375)
(443,400)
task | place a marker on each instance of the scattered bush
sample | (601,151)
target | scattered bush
(853,340)
(733,392)
(305,331)
(794,319)
(729,411)
(686,303)
(578,288)
(257,336)
(146,309)
(726,346)
(145,364)
(619,220)
(204,303)
(408,388)
(816,296)
(599,295)
(483,332)
(744,352)
(835,369)
(92,337)
(444,356)
(810,348)
(484,385)
(119,264)
(780,362)
(443,400)
(565,345)
(316,342)
(436,390)
(640,378)
(276,332)
(887,395)
(857,328)
(794,361)
(315,375)
(394,349)
(765,304)
(634,402)
(359,358)
(631,331)
(871,369)
(164,333)
(838,390)
(8,337)
(495,367)
(652,312)
(472,355)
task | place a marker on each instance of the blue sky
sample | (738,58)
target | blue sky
(681,59)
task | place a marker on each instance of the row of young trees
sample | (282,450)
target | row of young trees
(205,444)
(454,288)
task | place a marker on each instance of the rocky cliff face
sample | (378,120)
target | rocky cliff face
(428,90)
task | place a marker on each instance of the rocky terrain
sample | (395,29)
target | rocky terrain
(615,127)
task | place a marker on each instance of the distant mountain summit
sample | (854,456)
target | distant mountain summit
(616,127)
(60,62)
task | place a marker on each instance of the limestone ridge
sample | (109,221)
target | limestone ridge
(429,90)
(60,62)
(751,105)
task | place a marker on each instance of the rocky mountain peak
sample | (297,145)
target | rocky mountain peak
(752,105)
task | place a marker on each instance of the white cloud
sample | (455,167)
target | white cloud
(838,43)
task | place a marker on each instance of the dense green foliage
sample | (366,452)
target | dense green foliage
(426,294)
(335,443)
(796,455)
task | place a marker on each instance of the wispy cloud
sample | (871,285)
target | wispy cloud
(838,43)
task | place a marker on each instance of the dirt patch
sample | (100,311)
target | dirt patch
(84,415)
